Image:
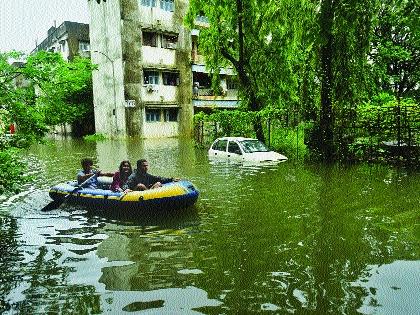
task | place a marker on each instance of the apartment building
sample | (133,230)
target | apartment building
(69,39)
(151,77)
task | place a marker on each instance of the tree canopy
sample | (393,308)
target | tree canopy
(262,41)
(317,59)
(395,48)
(37,92)
(40,92)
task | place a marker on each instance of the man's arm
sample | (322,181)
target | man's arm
(107,174)
(81,176)
(130,183)
(163,180)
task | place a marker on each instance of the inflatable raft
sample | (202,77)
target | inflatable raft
(170,196)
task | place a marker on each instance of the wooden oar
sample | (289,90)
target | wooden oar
(56,203)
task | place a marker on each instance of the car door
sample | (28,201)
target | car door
(234,152)
(219,149)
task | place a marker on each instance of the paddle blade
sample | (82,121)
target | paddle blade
(53,205)
(58,202)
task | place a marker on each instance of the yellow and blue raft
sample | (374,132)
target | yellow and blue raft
(171,196)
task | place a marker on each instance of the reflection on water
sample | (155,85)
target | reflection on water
(276,238)
(391,287)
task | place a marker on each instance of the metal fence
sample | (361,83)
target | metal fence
(392,134)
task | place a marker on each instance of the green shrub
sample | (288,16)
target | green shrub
(290,142)
(95,137)
(12,170)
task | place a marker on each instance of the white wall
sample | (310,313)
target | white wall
(108,89)
(160,129)
(158,56)
(161,93)
(151,16)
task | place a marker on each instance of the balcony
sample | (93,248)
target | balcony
(166,56)
(156,17)
(207,94)
(201,21)
(205,97)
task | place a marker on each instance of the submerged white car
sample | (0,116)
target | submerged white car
(243,149)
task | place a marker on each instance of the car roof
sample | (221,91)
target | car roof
(235,138)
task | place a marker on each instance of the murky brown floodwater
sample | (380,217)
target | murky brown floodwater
(277,240)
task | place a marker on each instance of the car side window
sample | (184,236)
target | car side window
(220,145)
(234,148)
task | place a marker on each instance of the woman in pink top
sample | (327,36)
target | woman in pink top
(121,175)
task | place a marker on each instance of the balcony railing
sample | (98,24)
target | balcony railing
(207,93)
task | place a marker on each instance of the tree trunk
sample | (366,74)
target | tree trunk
(326,117)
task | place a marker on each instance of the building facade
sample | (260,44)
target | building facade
(151,77)
(69,39)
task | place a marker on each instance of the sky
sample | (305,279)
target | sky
(23,22)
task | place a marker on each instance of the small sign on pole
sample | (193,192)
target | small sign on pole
(130,103)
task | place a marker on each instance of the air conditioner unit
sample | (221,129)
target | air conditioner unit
(150,88)
(171,45)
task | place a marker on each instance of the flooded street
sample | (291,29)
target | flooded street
(277,239)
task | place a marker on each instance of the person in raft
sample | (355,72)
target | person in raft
(87,172)
(121,176)
(141,180)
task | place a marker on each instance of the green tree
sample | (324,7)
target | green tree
(262,41)
(44,91)
(58,82)
(305,56)
(343,45)
(37,94)
(395,51)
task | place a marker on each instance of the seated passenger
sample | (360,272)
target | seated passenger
(141,180)
(121,176)
(87,172)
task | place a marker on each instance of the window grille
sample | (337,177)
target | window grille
(171,114)
(150,39)
(170,78)
(151,77)
(167,5)
(148,3)
(152,115)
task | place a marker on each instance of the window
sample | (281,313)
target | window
(151,77)
(150,39)
(170,78)
(231,83)
(148,3)
(169,41)
(167,5)
(201,17)
(233,147)
(250,146)
(171,114)
(84,46)
(203,79)
(152,115)
(220,145)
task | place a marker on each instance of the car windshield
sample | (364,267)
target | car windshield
(250,146)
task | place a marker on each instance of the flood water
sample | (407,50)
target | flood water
(282,239)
